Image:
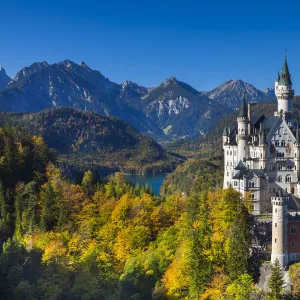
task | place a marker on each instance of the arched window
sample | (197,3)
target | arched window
(276,143)
(288,178)
(293,230)
(283,143)
(279,178)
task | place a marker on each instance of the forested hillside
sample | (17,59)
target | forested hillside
(109,240)
(87,140)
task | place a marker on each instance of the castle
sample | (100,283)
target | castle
(262,159)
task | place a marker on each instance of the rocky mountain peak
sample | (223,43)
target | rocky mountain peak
(231,92)
(171,80)
(4,78)
(84,65)
(27,71)
(269,91)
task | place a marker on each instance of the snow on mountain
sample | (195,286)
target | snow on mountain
(270,91)
(4,78)
(171,110)
(230,94)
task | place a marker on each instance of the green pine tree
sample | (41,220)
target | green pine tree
(276,282)
(48,207)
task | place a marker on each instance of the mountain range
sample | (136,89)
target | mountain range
(169,111)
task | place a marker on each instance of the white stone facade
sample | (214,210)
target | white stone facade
(266,149)
(262,158)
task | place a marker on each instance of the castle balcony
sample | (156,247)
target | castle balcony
(256,188)
(282,158)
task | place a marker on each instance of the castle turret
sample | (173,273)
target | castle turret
(242,135)
(279,228)
(225,135)
(284,90)
(263,147)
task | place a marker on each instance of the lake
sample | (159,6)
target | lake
(153,180)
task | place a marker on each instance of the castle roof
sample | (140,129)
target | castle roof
(244,110)
(285,78)
(240,166)
(278,77)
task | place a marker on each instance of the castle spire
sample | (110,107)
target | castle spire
(278,77)
(262,135)
(244,110)
(285,74)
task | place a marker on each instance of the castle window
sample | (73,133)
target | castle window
(295,154)
(293,190)
(273,190)
(283,143)
(275,240)
(293,230)
(293,244)
(279,178)
(288,178)
(276,210)
(275,224)
(252,196)
(230,152)
(261,155)
(276,143)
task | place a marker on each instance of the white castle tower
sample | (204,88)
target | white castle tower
(279,229)
(284,91)
(242,136)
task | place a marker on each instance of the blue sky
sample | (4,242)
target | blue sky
(203,43)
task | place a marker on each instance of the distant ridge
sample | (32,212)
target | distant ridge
(169,111)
